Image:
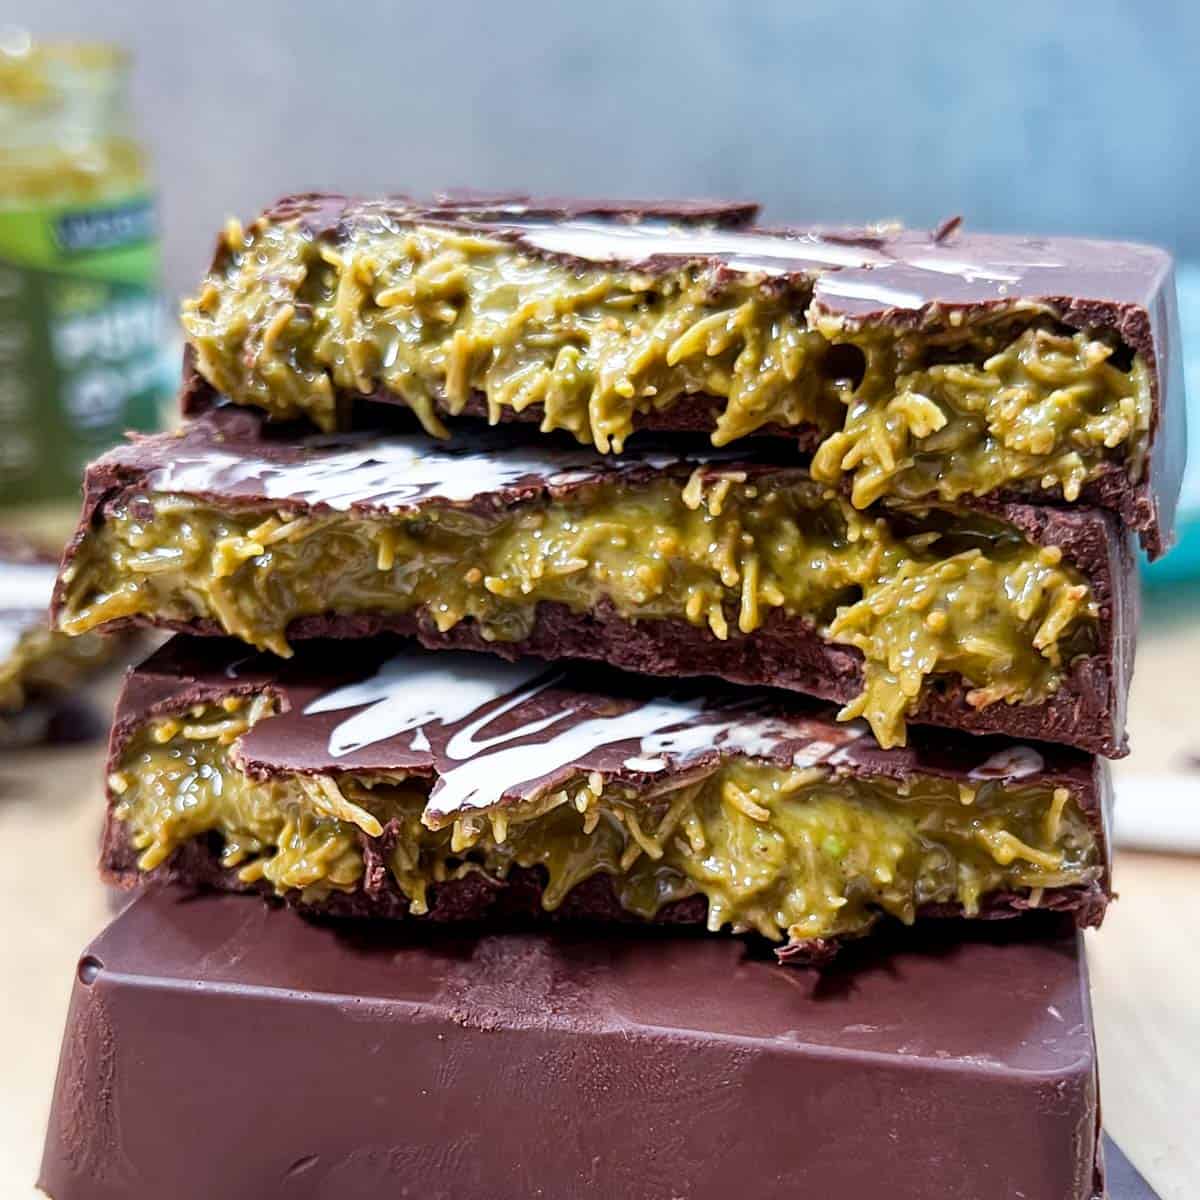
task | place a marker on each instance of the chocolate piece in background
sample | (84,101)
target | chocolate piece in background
(505,735)
(218,1047)
(40,670)
(878,276)
(232,459)
(27,574)
(68,720)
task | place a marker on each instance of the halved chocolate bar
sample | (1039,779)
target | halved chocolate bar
(912,365)
(1006,618)
(372,780)
(218,1048)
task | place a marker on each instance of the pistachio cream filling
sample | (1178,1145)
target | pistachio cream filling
(290,320)
(922,592)
(787,852)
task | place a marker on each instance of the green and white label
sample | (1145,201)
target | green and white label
(81,335)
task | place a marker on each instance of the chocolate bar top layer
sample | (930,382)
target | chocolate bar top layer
(835,283)
(663,1067)
(245,471)
(356,780)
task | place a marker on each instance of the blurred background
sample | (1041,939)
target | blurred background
(1021,116)
(1027,115)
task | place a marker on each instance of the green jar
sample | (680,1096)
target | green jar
(81,316)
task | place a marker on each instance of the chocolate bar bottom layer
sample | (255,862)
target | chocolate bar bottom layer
(217,1046)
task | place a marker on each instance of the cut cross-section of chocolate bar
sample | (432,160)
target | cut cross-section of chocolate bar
(454,787)
(216,1047)
(1007,618)
(910,364)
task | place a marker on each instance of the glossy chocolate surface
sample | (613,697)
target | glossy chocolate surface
(221,1047)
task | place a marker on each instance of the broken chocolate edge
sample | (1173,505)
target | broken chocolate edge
(152,691)
(1152,329)
(1088,710)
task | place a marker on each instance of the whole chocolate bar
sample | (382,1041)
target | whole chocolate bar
(909,364)
(1007,618)
(381,780)
(218,1047)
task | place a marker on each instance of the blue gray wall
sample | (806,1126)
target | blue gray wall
(1048,116)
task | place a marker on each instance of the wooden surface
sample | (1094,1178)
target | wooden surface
(1145,961)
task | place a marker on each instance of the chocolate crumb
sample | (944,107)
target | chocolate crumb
(947,229)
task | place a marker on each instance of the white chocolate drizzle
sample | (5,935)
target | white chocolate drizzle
(859,288)
(408,693)
(602,241)
(392,473)
(492,732)
(1014,762)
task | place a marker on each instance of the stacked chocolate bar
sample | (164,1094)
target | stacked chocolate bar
(649,568)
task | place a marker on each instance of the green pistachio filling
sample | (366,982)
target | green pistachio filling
(289,322)
(786,852)
(921,592)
